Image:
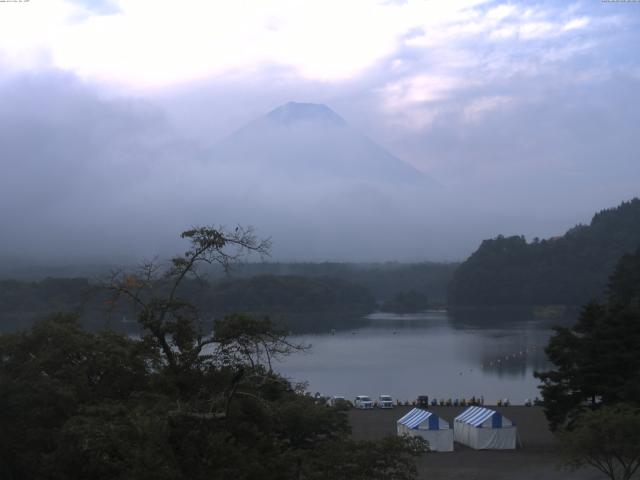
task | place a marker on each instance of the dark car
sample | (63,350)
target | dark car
(422,401)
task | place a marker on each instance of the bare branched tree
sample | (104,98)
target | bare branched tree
(244,340)
(170,322)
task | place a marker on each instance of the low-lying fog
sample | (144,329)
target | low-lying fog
(90,178)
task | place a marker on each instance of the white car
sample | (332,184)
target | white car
(385,401)
(363,401)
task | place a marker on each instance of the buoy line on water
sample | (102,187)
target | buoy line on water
(510,356)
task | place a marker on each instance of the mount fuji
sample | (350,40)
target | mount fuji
(310,142)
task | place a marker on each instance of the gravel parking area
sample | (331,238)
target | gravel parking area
(536,459)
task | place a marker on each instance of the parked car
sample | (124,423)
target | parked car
(422,401)
(385,401)
(363,401)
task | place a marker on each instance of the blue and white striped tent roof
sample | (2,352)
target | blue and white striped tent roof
(417,416)
(476,416)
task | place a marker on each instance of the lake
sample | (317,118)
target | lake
(436,353)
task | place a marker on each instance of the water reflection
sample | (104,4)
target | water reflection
(442,354)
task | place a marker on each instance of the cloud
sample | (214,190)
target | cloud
(181,41)
(524,110)
(419,89)
(482,106)
(86,178)
(501,12)
(576,24)
(487,50)
(120,42)
(532,30)
(100,7)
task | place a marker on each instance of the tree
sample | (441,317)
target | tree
(48,375)
(169,321)
(570,269)
(388,458)
(607,439)
(597,360)
(179,403)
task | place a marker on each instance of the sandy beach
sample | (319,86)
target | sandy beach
(536,459)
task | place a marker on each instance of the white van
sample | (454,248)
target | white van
(363,401)
(385,401)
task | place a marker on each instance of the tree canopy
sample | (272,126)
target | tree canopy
(181,402)
(567,270)
(607,439)
(299,303)
(301,296)
(597,360)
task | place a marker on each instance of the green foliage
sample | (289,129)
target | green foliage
(567,270)
(597,360)
(284,294)
(301,296)
(48,374)
(607,439)
(299,302)
(101,405)
(180,403)
(383,280)
(22,302)
(624,284)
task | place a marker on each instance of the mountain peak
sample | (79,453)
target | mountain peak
(292,113)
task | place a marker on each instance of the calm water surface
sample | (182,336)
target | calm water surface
(433,353)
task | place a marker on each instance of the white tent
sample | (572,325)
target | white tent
(429,426)
(481,429)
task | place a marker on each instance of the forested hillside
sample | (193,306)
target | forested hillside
(297,302)
(300,304)
(385,280)
(568,270)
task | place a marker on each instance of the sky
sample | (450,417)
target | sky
(524,113)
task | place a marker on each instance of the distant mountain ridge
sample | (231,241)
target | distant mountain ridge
(294,112)
(568,270)
(308,141)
